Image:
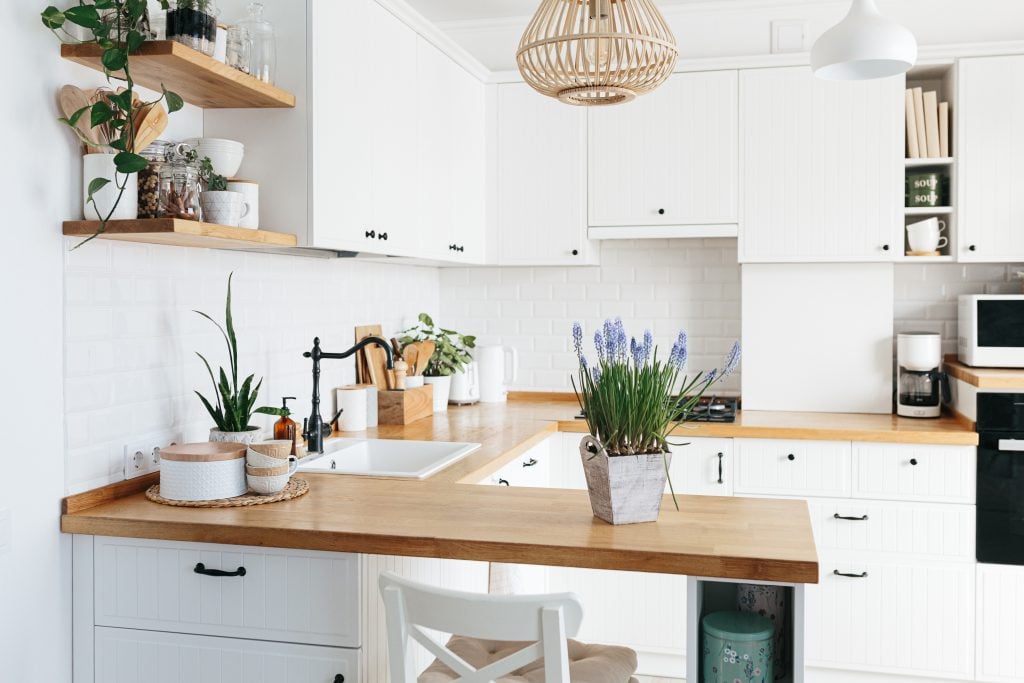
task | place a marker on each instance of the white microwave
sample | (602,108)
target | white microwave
(991,330)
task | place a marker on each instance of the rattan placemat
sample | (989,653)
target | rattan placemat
(294,489)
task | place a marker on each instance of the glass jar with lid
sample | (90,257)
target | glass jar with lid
(262,43)
(180,184)
(149,178)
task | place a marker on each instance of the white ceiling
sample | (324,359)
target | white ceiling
(475,10)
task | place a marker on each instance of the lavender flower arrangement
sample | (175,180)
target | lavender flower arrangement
(633,400)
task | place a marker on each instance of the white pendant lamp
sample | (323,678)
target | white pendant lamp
(863,46)
(596,52)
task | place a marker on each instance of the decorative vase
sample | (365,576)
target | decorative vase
(624,489)
(250,436)
(442,387)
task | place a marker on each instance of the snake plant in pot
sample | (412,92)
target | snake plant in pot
(233,405)
(632,402)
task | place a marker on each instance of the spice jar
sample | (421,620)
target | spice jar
(149,178)
(179,184)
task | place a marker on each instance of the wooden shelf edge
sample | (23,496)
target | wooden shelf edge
(199,79)
(178,232)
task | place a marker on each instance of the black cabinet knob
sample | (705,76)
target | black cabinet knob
(790,457)
(661,212)
(462,248)
(451,247)
(973,247)
(913,461)
(885,247)
(371,234)
(339,679)
(383,236)
(575,252)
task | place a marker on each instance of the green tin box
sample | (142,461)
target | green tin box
(737,646)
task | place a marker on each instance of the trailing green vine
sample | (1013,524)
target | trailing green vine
(116,27)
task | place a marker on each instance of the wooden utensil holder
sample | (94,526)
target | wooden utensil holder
(403,407)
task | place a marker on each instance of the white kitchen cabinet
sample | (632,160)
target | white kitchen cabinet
(541,180)
(895,617)
(991,104)
(822,172)
(702,466)
(669,158)
(914,472)
(792,468)
(530,469)
(1000,623)
(130,656)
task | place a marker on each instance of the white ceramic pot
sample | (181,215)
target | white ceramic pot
(251,191)
(442,387)
(624,489)
(223,207)
(253,435)
(101,165)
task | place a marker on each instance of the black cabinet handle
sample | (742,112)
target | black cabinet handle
(791,457)
(720,456)
(370,234)
(200,568)
(862,518)
(973,247)
(862,575)
(530,463)
(382,236)
(339,679)
(885,247)
(575,252)
(913,461)
(503,482)
(661,212)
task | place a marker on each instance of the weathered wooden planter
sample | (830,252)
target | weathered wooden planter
(625,489)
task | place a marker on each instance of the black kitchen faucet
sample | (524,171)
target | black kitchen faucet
(316,429)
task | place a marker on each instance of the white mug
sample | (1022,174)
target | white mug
(925,235)
(223,207)
(497,366)
(413,381)
(251,192)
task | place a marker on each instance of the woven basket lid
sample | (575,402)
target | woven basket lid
(206,451)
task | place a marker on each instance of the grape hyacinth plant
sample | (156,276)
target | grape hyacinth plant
(632,400)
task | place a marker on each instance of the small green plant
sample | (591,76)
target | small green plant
(632,401)
(213,181)
(116,27)
(234,407)
(452,349)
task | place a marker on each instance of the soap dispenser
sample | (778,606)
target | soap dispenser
(285,428)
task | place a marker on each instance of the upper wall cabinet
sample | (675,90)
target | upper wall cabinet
(541,180)
(822,168)
(991,99)
(668,158)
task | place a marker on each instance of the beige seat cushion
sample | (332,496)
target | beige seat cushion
(587,663)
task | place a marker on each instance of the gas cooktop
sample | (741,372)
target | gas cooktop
(709,409)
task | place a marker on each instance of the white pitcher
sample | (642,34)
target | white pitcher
(496,369)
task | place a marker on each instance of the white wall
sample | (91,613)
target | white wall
(664,285)
(743,27)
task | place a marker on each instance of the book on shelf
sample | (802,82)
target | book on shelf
(922,146)
(931,124)
(911,127)
(944,129)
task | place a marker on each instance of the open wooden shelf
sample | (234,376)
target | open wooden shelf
(182,233)
(200,80)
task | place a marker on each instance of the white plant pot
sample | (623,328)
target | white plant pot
(223,207)
(442,387)
(101,165)
(253,435)
(625,489)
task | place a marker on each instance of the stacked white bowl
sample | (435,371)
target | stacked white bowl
(225,155)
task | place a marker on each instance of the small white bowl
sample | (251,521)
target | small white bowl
(225,155)
(267,486)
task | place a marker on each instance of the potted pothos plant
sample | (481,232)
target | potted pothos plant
(118,28)
(234,404)
(451,355)
(632,402)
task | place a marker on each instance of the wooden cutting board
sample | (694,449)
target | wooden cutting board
(362,371)
(377,364)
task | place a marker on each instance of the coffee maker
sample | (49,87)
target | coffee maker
(921,385)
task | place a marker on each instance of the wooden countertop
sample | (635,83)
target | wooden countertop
(738,538)
(985,378)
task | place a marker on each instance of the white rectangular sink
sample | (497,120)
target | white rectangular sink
(386,457)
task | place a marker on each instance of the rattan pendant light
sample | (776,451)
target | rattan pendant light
(596,52)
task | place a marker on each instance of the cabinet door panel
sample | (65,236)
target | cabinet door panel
(792,468)
(914,618)
(822,167)
(541,179)
(1000,623)
(703,467)
(129,656)
(669,158)
(991,101)
(943,474)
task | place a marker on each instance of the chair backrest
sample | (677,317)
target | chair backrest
(410,607)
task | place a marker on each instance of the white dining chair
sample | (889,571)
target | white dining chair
(501,638)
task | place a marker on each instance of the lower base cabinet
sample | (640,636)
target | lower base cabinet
(131,656)
(1000,623)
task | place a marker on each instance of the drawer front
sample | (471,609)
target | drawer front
(793,468)
(703,467)
(914,618)
(130,656)
(874,526)
(913,472)
(286,595)
(530,469)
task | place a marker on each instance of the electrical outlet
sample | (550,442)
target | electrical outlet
(143,457)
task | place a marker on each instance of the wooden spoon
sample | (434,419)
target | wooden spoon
(150,124)
(426,352)
(411,355)
(73,98)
